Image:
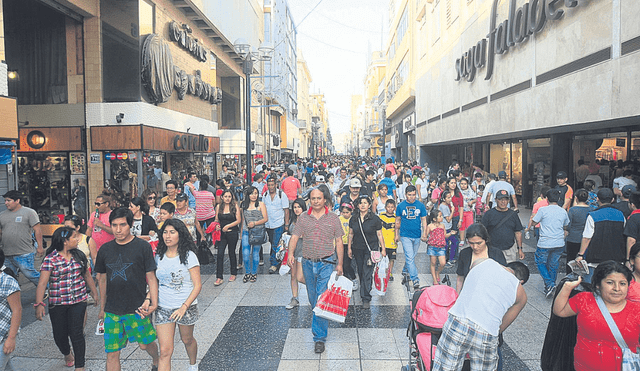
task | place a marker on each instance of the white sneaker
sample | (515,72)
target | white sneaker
(293,303)
(356,285)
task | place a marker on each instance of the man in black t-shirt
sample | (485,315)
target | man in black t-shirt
(632,227)
(124,268)
(369,185)
(504,228)
(355,187)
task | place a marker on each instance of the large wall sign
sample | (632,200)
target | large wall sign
(187,42)
(523,22)
(160,76)
(192,143)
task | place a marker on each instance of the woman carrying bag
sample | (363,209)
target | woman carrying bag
(254,234)
(365,243)
(600,315)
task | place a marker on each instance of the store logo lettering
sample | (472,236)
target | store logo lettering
(191,143)
(523,22)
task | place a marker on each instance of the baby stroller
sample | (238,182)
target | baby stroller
(429,311)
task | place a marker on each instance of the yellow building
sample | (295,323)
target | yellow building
(374,88)
(319,125)
(304,105)
(400,79)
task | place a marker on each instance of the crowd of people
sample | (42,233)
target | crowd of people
(140,263)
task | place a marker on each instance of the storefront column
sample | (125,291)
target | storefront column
(561,156)
(141,173)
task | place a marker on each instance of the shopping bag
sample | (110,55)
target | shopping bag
(284,267)
(282,247)
(334,302)
(381,275)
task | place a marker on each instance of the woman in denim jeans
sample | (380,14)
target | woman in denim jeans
(254,213)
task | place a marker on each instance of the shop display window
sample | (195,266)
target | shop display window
(121,177)
(155,172)
(538,164)
(45,180)
(181,163)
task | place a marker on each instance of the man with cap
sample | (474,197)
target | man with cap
(493,188)
(354,191)
(188,216)
(603,236)
(566,192)
(16,225)
(623,204)
(504,227)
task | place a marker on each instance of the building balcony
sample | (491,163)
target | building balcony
(402,98)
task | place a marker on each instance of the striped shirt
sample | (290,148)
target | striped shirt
(66,284)
(318,235)
(8,285)
(204,205)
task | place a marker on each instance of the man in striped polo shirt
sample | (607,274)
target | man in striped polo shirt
(322,250)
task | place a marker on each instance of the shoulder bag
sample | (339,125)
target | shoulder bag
(257,234)
(630,360)
(376,256)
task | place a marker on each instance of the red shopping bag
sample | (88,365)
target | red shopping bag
(381,274)
(334,302)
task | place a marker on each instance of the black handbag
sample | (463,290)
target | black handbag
(205,256)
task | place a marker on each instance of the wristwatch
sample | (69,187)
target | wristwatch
(519,247)
(580,255)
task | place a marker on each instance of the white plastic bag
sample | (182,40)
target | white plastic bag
(284,268)
(334,302)
(381,275)
(282,247)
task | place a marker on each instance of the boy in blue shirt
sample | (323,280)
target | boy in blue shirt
(411,227)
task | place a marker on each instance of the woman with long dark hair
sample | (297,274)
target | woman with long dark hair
(365,235)
(596,349)
(228,216)
(297,208)
(144,226)
(254,214)
(65,270)
(179,284)
(10,308)
(151,197)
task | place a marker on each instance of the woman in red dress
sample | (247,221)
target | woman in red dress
(596,349)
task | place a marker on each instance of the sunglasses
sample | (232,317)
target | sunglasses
(100,203)
(151,198)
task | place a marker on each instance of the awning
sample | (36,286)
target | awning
(6,143)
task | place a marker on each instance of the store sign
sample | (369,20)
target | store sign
(193,143)
(522,22)
(94,158)
(187,42)
(122,156)
(110,156)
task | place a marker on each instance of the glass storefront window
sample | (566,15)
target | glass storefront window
(121,177)
(182,163)
(516,167)
(500,158)
(44,179)
(538,165)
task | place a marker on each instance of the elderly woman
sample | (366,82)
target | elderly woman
(365,235)
(596,348)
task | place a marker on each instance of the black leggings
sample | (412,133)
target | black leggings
(229,239)
(67,322)
(365,271)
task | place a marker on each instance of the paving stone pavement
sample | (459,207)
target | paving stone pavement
(246,327)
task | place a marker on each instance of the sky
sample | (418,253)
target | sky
(335,39)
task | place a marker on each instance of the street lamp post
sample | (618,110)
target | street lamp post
(264,53)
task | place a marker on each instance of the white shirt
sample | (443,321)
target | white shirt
(174,280)
(424,185)
(275,208)
(488,292)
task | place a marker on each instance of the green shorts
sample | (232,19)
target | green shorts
(119,329)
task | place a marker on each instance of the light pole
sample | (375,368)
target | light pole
(264,53)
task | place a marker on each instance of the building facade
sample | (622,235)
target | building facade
(529,87)
(374,104)
(115,94)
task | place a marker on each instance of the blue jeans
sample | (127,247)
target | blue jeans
(274,238)
(410,247)
(248,252)
(547,261)
(25,264)
(317,276)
